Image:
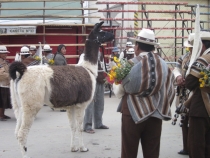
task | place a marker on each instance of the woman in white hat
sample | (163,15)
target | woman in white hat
(26,58)
(48,56)
(130,53)
(123,54)
(32,50)
(4,84)
(149,92)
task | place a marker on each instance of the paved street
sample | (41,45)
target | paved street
(49,136)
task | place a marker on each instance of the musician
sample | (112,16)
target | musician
(199,103)
(4,84)
(26,58)
(179,73)
(123,54)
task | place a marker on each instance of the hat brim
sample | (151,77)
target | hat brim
(143,41)
(24,53)
(46,50)
(205,38)
(2,52)
(130,45)
(186,44)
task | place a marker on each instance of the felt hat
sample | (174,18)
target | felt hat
(129,44)
(130,51)
(3,50)
(46,48)
(32,47)
(115,49)
(189,41)
(146,36)
(24,50)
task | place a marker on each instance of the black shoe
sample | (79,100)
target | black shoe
(183,152)
(62,110)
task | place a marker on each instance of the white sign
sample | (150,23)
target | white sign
(18,30)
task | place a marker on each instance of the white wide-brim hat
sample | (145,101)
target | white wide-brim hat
(3,49)
(130,51)
(187,44)
(32,47)
(46,48)
(189,41)
(129,44)
(205,35)
(146,36)
(24,50)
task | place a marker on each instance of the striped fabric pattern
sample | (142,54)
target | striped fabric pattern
(195,70)
(150,88)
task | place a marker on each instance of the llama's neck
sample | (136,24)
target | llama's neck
(91,56)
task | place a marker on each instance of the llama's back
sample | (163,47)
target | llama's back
(71,85)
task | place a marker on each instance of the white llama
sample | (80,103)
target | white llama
(64,87)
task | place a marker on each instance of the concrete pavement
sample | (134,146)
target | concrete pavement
(49,136)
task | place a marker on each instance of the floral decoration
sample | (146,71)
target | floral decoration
(205,79)
(118,72)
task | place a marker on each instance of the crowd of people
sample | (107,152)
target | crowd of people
(146,94)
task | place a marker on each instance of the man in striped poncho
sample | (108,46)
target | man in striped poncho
(148,94)
(199,104)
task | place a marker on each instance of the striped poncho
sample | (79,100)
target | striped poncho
(150,88)
(195,70)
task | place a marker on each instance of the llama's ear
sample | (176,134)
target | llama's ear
(98,25)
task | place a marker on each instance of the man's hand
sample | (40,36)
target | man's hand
(180,80)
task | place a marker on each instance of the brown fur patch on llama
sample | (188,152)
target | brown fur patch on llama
(70,85)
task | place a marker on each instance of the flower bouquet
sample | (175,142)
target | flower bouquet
(36,57)
(118,72)
(51,61)
(205,79)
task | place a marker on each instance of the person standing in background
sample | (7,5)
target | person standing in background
(32,50)
(5,102)
(94,111)
(180,73)
(123,54)
(48,56)
(130,53)
(59,57)
(115,53)
(26,58)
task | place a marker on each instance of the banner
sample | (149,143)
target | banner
(18,30)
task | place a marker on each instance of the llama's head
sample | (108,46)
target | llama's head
(100,36)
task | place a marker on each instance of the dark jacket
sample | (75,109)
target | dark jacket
(60,59)
(196,104)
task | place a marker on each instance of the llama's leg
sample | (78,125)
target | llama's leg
(72,121)
(28,114)
(79,113)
